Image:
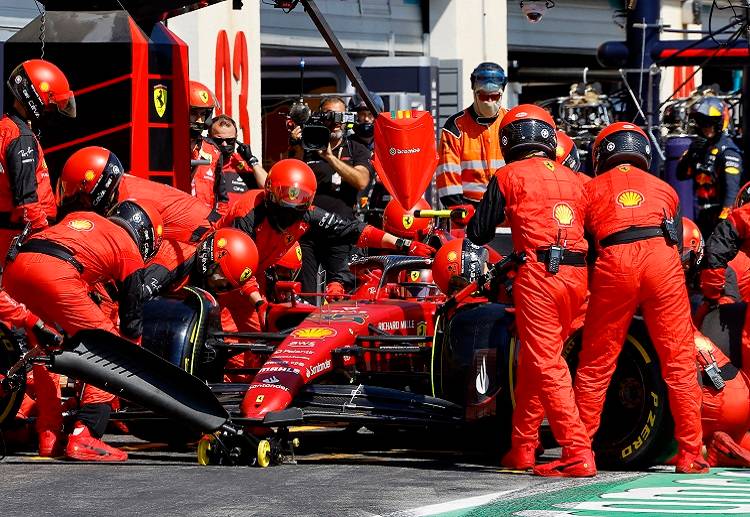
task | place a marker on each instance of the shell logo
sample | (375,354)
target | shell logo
(81,225)
(159,230)
(408,220)
(313,333)
(247,273)
(452,256)
(630,199)
(203,94)
(89,175)
(44,86)
(221,242)
(559,151)
(563,214)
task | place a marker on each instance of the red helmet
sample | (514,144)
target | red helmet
(142,220)
(618,143)
(41,87)
(416,283)
(233,252)
(527,128)
(743,196)
(402,223)
(291,183)
(458,263)
(91,175)
(567,151)
(692,242)
(201,97)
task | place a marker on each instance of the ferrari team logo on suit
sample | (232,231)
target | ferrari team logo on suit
(563,214)
(549,165)
(630,199)
(160,99)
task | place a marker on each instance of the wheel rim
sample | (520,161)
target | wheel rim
(264,453)
(205,446)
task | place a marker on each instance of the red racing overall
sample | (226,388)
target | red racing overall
(55,270)
(636,266)
(25,190)
(544,203)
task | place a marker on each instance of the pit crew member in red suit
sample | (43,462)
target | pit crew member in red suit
(53,274)
(38,88)
(634,218)
(545,205)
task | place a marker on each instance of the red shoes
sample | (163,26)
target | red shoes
(575,465)
(84,447)
(520,458)
(725,452)
(51,444)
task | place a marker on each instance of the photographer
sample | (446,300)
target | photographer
(342,169)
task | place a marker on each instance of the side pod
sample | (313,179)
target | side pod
(129,371)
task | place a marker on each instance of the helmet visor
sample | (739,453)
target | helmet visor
(292,197)
(65,102)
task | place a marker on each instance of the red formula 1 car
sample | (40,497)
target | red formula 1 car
(400,356)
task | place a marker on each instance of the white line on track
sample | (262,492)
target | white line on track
(451,506)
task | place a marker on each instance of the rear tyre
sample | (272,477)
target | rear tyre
(636,425)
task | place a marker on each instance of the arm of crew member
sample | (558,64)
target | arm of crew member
(490,213)
(357,176)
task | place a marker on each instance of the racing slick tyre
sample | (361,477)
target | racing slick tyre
(636,427)
(176,328)
(10,353)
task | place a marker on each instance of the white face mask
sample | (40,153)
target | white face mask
(487,108)
(336,135)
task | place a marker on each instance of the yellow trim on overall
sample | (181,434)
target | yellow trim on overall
(194,333)
(432,360)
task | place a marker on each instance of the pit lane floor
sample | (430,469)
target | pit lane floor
(335,474)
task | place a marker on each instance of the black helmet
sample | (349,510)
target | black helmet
(527,128)
(142,221)
(618,143)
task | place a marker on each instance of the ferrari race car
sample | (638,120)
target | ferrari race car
(398,356)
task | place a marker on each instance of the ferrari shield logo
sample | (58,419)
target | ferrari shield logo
(422,328)
(160,99)
(549,165)
(298,252)
(247,273)
(414,275)
(203,94)
(408,220)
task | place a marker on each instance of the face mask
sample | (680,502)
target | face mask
(365,130)
(486,108)
(336,135)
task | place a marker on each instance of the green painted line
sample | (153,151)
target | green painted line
(721,492)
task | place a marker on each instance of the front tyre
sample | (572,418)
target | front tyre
(636,426)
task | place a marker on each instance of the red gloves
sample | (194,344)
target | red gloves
(418,249)
(335,291)
(469,211)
